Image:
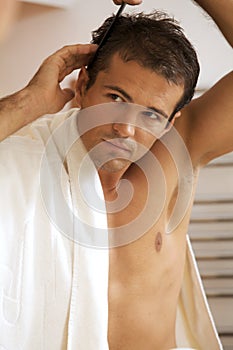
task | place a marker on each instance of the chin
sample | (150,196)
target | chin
(114,166)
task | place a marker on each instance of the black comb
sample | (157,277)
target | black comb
(108,32)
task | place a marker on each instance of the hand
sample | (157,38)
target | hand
(130,2)
(44,88)
(43,94)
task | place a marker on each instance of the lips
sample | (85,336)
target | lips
(122,145)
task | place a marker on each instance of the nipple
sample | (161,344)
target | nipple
(158,242)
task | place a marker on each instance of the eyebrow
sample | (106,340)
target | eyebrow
(121,91)
(129,98)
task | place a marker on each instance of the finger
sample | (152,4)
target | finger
(67,95)
(70,58)
(75,56)
(62,97)
(130,2)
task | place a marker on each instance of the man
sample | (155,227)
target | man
(134,100)
(134,291)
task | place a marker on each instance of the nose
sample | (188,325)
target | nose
(125,123)
(124,129)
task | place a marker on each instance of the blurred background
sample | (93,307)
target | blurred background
(41,27)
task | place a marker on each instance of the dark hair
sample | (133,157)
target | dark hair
(156,42)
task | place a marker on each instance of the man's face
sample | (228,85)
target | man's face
(134,99)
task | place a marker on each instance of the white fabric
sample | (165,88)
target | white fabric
(194,327)
(53,290)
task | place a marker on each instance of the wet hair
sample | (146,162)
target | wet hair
(156,42)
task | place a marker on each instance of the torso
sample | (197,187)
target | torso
(146,273)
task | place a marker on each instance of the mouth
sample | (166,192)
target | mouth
(116,144)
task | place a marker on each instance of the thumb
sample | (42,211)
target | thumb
(68,94)
(64,96)
(61,98)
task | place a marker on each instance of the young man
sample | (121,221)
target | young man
(141,67)
(138,85)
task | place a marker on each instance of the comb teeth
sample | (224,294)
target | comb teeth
(108,32)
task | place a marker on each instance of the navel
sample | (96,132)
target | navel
(158,242)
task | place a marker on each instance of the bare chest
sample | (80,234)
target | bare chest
(144,283)
(148,244)
(145,275)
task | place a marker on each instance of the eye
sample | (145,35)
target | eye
(151,115)
(116,98)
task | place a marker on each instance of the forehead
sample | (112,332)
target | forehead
(143,85)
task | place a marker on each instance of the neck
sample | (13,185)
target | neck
(110,182)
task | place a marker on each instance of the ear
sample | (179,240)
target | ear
(81,84)
(177,115)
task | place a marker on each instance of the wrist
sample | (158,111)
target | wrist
(16,111)
(30,105)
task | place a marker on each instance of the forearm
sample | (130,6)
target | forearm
(17,111)
(222,13)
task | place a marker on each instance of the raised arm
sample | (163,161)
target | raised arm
(43,94)
(222,13)
(209,119)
